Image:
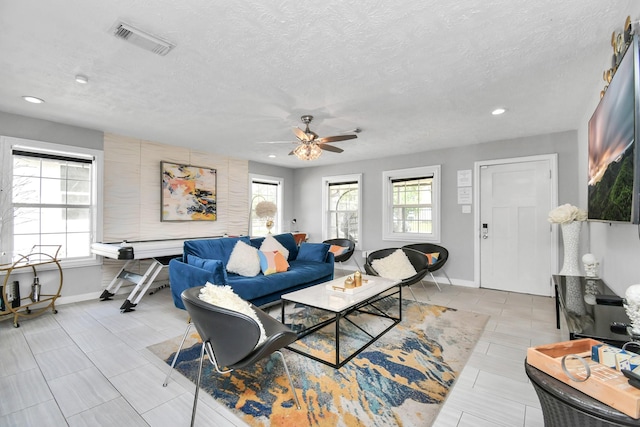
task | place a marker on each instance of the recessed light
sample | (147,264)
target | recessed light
(82,79)
(499,111)
(33,99)
(272,156)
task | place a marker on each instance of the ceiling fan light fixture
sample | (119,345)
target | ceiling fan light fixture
(309,151)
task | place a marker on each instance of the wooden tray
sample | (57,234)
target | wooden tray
(605,384)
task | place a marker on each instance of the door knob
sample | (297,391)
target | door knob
(485,231)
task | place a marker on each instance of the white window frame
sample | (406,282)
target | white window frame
(387,204)
(325,203)
(278,226)
(8,144)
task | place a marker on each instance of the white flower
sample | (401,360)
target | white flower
(566,214)
(266,209)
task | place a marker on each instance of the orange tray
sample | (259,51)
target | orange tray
(605,384)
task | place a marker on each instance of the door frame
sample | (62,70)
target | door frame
(553,163)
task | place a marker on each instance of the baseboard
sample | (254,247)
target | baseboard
(96,295)
(78,298)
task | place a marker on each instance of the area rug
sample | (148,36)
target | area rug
(400,380)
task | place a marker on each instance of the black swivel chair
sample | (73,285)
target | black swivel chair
(229,338)
(346,255)
(429,248)
(417,259)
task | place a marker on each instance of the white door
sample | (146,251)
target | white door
(515,236)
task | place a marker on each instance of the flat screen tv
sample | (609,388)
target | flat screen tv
(614,175)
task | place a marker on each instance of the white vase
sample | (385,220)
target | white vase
(632,307)
(571,243)
(574,296)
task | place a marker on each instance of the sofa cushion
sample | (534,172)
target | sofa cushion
(299,272)
(433,257)
(338,250)
(244,260)
(272,262)
(220,248)
(313,252)
(395,266)
(285,239)
(215,266)
(223,296)
(270,244)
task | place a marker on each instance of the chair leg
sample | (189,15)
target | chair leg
(447,276)
(414,297)
(286,369)
(175,358)
(425,289)
(435,281)
(195,397)
(357,265)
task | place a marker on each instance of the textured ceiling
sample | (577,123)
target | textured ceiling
(414,75)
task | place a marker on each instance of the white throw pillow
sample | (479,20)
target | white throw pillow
(395,266)
(244,260)
(270,244)
(223,296)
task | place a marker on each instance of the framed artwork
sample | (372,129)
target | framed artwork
(188,192)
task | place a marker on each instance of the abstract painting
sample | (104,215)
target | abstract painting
(188,193)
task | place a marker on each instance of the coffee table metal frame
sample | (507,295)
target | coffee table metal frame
(360,302)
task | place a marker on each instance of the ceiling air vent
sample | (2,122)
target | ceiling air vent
(141,38)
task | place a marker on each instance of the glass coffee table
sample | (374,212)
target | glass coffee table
(350,319)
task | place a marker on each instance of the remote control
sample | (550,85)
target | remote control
(618,328)
(630,374)
(608,300)
(634,379)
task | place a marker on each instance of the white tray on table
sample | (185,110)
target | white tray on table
(350,291)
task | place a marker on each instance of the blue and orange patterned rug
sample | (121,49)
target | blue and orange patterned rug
(400,380)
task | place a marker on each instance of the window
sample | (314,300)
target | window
(341,205)
(53,199)
(411,204)
(264,188)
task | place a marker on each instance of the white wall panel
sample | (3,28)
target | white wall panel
(151,227)
(133,186)
(238,210)
(121,213)
(132,197)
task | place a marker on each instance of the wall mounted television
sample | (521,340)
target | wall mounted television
(614,161)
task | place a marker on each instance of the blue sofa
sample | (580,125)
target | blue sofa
(205,260)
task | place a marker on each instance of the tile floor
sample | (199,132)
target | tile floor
(88,365)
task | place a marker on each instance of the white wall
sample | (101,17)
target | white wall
(77,281)
(132,197)
(457,228)
(287,189)
(132,194)
(617,246)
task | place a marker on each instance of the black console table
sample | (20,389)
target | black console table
(589,307)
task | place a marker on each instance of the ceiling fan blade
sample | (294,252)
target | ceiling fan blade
(277,142)
(330,148)
(335,138)
(300,134)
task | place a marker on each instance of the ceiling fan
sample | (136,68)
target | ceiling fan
(310,145)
